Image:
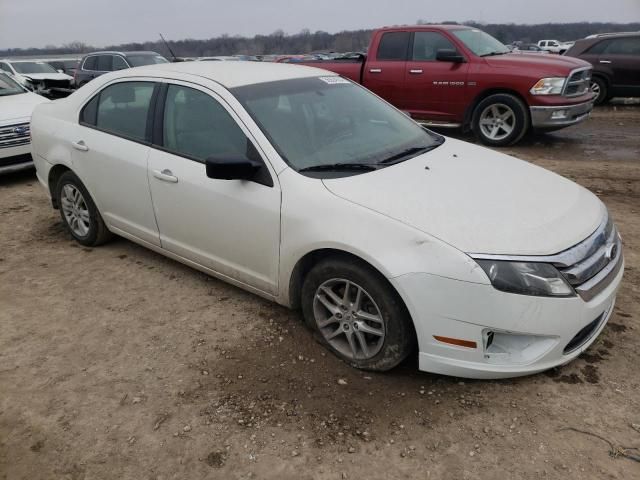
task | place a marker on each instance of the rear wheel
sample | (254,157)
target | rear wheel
(500,119)
(599,87)
(357,314)
(79,213)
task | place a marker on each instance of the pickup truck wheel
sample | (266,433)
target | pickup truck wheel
(599,87)
(357,315)
(79,213)
(500,120)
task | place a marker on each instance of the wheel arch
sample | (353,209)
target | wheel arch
(54,175)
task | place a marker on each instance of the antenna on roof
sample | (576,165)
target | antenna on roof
(169,48)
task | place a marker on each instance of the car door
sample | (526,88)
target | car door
(229,226)
(622,56)
(437,89)
(385,72)
(110,153)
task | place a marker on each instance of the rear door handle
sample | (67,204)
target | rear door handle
(415,71)
(165,175)
(80,145)
(605,61)
(375,70)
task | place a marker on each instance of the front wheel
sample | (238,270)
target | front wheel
(357,315)
(599,87)
(500,119)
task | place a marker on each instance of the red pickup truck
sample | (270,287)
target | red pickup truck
(457,76)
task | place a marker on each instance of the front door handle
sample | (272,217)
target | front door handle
(375,70)
(605,61)
(80,145)
(415,71)
(165,175)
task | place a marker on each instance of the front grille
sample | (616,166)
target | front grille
(57,83)
(578,83)
(592,264)
(15,135)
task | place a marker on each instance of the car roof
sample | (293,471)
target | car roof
(228,74)
(124,54)
(427,27)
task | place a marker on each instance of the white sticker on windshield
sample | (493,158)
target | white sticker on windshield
(333,80)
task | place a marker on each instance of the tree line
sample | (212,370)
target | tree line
(306,41)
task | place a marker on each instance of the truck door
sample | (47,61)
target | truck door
(384,70)
(436,90)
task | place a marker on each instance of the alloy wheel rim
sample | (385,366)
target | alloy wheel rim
(349,319)
(75,210)
(595,88)
(497,121)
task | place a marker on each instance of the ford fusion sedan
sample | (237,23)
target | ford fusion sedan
(16,106)
(305,188)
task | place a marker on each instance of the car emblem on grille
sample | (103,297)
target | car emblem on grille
(611,251)
(20,130)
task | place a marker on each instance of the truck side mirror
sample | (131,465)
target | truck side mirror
(448,55)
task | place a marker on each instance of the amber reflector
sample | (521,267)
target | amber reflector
(456,341)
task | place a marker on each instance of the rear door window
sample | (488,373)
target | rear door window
(623,46)
(394,46)
(121,109)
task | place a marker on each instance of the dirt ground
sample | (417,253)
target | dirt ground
(117,363)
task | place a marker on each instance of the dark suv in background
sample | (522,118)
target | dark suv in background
(97,63)
(616,63)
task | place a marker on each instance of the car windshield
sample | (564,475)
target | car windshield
(145,59)
(330,123)
(8,86)
(33,67)
(480,43)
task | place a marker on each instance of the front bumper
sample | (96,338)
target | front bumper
(558,116)
(538,330)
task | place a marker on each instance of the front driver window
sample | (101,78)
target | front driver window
(198,127)
(427,44)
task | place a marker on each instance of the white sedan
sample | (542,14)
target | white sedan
(16,106)
(307,189)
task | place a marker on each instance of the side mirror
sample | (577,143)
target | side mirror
(232,167)
(447,55)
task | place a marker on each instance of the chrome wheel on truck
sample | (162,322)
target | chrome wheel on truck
(500,119)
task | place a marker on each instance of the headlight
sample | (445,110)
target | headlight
(526,278)
(548,86)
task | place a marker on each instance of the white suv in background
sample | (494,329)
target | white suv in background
(554,46)
(16,106)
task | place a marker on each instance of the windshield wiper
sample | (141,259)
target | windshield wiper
(490,54)
(408,153)
(339,166)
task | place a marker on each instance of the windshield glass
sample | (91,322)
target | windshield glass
(141,60)
(480,43)
(330,121)
(33,67)
(8,86)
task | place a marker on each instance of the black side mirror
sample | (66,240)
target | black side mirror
(447,55)
(232,167)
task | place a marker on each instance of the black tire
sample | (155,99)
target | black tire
(399,334)
(520,125)
(602,89)
(97,232)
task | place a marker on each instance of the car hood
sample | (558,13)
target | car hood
(20,106)
(47,76)
(478,201)
(542,64)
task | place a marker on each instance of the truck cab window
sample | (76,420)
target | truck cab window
(394,46)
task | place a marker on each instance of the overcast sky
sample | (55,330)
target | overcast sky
(36,23)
